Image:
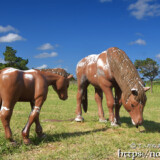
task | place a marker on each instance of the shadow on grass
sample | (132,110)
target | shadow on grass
(60,136)
(150,126)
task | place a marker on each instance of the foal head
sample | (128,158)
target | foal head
(135,105)
(62,84)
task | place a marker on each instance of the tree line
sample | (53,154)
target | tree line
(148,68)
(11,60)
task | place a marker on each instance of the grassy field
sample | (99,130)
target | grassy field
(67,139)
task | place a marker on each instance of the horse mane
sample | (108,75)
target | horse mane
(126,74)
(58,71)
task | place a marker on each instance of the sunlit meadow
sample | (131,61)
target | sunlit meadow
(67,139)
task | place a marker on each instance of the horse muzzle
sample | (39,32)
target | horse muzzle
(63,98)
(139,123)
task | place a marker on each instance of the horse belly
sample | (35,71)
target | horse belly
(27,95)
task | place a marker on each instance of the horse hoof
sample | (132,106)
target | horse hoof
(103,120)
(119,123)
(14,143)
(79,119)
(113,124)
(42,135)
(26,141)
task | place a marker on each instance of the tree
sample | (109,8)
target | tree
(11,60)
(148,68)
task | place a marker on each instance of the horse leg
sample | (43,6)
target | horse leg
(38,127)
(79,117)
(0,105)
(98,99)
(32,118)
(110,104)
(6,113)
(118,103)
(82,91)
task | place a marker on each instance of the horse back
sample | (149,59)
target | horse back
(16,83)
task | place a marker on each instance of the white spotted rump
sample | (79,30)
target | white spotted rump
(9,70)
(28,76)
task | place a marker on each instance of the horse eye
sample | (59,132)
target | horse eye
(132,105)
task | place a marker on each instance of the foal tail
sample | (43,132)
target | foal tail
(85,100)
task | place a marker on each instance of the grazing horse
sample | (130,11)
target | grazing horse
(29,86)
(111,69)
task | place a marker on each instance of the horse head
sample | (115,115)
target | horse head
(61,87)
(134,107)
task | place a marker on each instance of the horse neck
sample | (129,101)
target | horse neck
(125,73)
(51,78)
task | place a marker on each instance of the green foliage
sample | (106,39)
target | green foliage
(12,60)
(148,68)
(2,65)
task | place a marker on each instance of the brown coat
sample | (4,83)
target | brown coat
(28,86)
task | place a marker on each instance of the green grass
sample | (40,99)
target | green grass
(69,140)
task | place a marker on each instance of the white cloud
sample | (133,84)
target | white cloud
(142,8)
(42,67)
(46,55)
(11,37)
(7,29)
(46,46)
(2,61)
(158,56)
(139,42)
(102,1)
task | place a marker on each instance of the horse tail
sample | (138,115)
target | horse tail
(85,100)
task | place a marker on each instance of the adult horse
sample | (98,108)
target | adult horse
(111,68)
(29,86)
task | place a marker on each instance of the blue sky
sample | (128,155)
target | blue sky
(58,33)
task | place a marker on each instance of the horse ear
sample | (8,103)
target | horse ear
(134,91)
(146,88)
(70,76)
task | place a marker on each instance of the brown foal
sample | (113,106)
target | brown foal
(29,86)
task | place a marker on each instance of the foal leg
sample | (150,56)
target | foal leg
(38,128)
(34,115)
(98,99)
(6,113)
(82,87)
(0,105)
